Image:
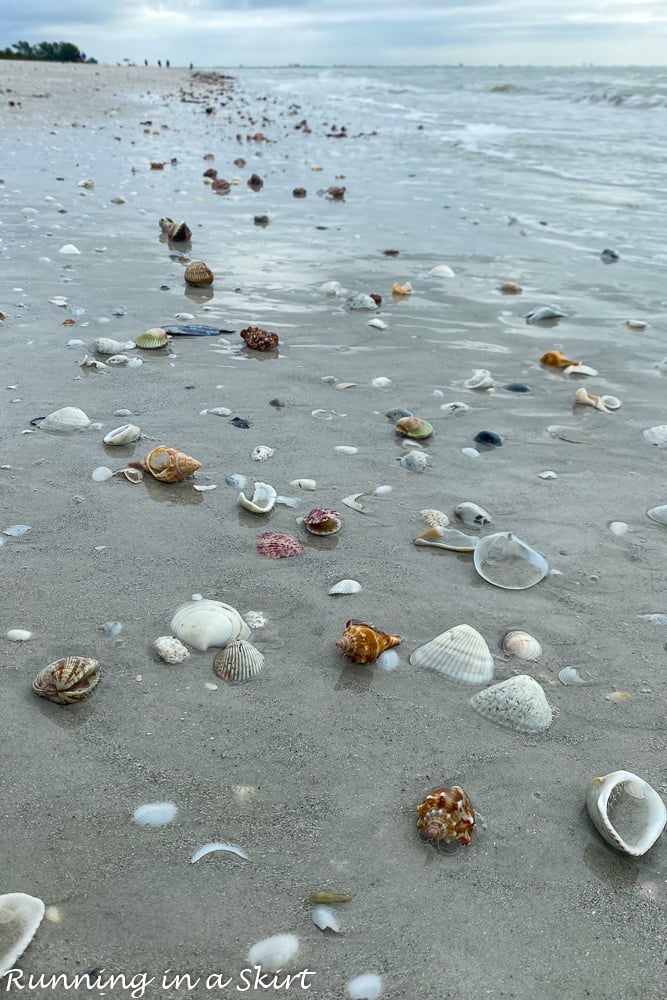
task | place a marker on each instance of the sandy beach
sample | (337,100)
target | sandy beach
(315,767)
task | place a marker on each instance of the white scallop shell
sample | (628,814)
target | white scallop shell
(460,654)
(125,434)
(262,452)
(628,813)
(65,420)
(263,499)
(480,379)
(505,561)
(170,649)
(20,916)
(207,623)
(447,538)
(472,515)
(304,484)
(345,587)
(105,345)
(518,703)
(324,918)
(522,645)
(19,635)
(273,952)
(658,514)
(436,518)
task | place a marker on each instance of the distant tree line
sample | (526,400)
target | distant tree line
(48,51)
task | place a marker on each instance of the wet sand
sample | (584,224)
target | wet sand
(338,756)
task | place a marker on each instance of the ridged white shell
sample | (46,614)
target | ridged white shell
(345,587)
(263,499)
(65,420)
(208,623)
(20,916)
(522,645)
(518,703)
(436,518)
(505,561)
(239,661)
(125,434)
(170,649)
(628,813)
(460,654)
(472,515)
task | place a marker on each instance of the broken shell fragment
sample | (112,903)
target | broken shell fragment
(105,345)
(67,680)
(132,475)
(445,815)
(363,643)
(472,515)
(263,499)
(460,654)
(414,427)
(447,538)
(353,502)
(480,379)
(518,703)
(584,398)
(414,461)
(626,811)
(522,645)
(274,952)
(20,917)
(505,561)
(170,649)
(125,434)
(404,289)
(262,452)
(239,661)
(577,371)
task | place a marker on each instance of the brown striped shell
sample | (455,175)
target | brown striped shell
(238,661)
(446,815)
(67,680)
(198,273)
(168,465)
(362,643)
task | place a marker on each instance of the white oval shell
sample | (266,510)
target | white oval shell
(262,452)
(579,370)
(118,360)
(656,435)
(20,916)
(345,449)
(522,645)
(378,323)
(155,814)
(365,987)
(101,474)
(170,649)
(442,271)
(658,514)
(263,499)
(435,518)
(125,434)
(628,813)
(544,313)
(345,587)
(505,561)
(273,952)
(19,635)
(304,484)
(472,515)
(460,654)
(325,919)
(480,379)
(518,703)
(65,420)
(207,623)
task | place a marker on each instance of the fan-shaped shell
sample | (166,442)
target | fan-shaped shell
(505,561)
(363,643)
(414,427)
(277,545)
(472,515)
(460,654)
(259,339)
(518,703)
(67,680)
(20,917)
(263,499)
(153,339)
(445,815)
(198,273)
(125,434)
(168,465)
(322,521)
(65,420)
(238,661)
(627,811)
(207,623)
(522,645)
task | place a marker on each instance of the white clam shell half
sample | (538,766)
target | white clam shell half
(207,623)
(627,812)
(345,587)
(517,703)
(65,420)
(523,645)
(263,499)
(505,561)
(20,917)
(460,654)
(125,434)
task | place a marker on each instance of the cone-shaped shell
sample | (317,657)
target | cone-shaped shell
(67,680)
(322,521)
(460,654)
(167,464)
(362,643)
(263,499)
(522,645)
(153,340)
(198,273)
(505,561)
(259,339)
(628,813)
(65,420)
(20,917)
(414,427)
(445,815)
(178,232)
(208,623)
(518,703)
(556,359)
(238,661)
(125,434)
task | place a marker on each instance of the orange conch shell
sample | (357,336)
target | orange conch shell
(446,815)
(362,643)
(167,464)
(555,359)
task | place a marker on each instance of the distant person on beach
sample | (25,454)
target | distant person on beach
(159,63)
(145,62)
(167,64)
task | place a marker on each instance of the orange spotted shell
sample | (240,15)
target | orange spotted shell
(167,464)
(362,643)
(67,680)
(446,815)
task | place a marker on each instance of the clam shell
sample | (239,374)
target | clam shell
(208,623)
(472,515)
(65,421)
(198,273)
(20,917)
(460,654)
(125,434)
(263,499)
(658,514)
(505,561)
(522,645)
(153,340)
(480,379)
(321,521)
(239,661)
(345,587)
(518,703)
(626,811)
(447,538)
(67,680)
(170,649)
(414,427)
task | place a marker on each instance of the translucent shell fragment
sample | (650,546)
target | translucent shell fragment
(446,815)
(168,465)
(363,643)
(67,680)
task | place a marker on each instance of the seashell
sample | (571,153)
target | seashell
(522,645)
(263,499)
(570,675)
(578,370)
(211,848)
(154,814)
(447,538)
(258,339)
(379,383)
(101,474)
(518,703)
(584,398)
(198,273)
(21,634)
(360,301)
(377,323)
(321,521)
(480,379)
(67,680)
(238,661)
(332,288)
(445,815)
(165,223)
(472,515)
(654,435)
(237,480)
(363,643)
(153,340)
(414,427)
(336,193)
(299,192)
(168,465)
(125,434)
(395,415)
(353,502)
(368,986)
(556,359)
(510,288)
(442,271)
(608,256)
(414,461)
(255,182)
(273,952)
(618,528)
(455,407)
(345,587)
(626,811)
(346,449)
(488,439)
(547,474)
(98,366)
(170,649)
(325,919)
(636,324)
(117,360)
(20,917)
(132,475)
(611,402)
(304,484)
(205,623)
(544,314)
(324,896)
(505,561)
(658,514)
(571,434)
(262,452)
(516,387)
(435,518)
(65,421)
(460,654)
(220,185)
(276,545)
(178,232)
(405,289)
(105,345)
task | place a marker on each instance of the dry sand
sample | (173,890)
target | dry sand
(338,755)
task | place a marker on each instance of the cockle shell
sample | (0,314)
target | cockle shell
(198,273)
(584,398)
(627,811)
(258,339)
(503,560)
(321,521)
(556,359)
(522,645)
(480,379)
(238,661)
(125,434)
(65,421)
(436,518)
(263,499)
(460,654)
(472,515)
(178,232)
(447,538)
(518,703)
(445,815)
(168,465)
(207,623)
(276,545)
(363,643)
(67,680)
(20,917)
(414,427)
(170,649)
(153,339)
(105,345)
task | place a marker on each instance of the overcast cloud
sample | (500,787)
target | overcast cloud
(356,32)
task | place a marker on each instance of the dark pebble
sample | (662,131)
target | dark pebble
(608,256)
(277,403)
(488,438)
(395,415)
(516,387)
(240,422)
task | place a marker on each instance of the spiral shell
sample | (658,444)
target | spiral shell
(178,232)
(555,359)
(258,339)
(414,427)
(445,815)
(522,645)
(584,398)
(322,521)
(239,661)
(167,464)
(198,273)
(363,643)
(67,680)
(152,340)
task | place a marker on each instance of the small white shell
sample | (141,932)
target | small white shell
(170,649)
(332,288)
(544,313)
(262,452)
(579,370)
(210,848)
(480,379)
(611,402)
(65,420)
(365,987)
(325,919)
(470,452)
(455,407)
(118,360)
(518,703)
(658,514)
(125,434)
(19,635)
(628,813)
(304,484)
(360,301)
(273,952)
(155,814)
(460,654)
(353,502)
(89,362)
(472,515)
(381,382)
(263,499)
(522,645)
(378,323)
(101,474)
(345,587)
(345,449)
(105,345)
(20,917)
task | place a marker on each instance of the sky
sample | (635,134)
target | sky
(348,32)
